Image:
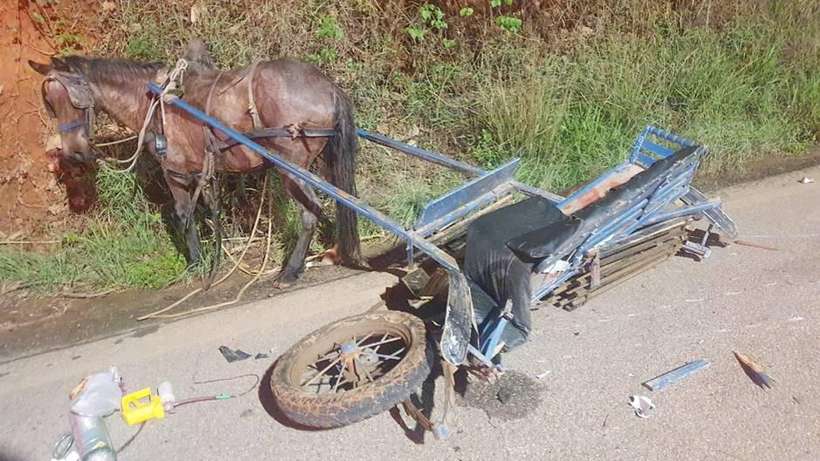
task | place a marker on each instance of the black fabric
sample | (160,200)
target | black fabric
(504,246)
(544,241)
(556,239)
(496,273)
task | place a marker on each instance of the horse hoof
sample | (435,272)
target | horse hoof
(285,280)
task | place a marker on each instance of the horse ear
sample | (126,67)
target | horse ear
(41,69)
(59,64)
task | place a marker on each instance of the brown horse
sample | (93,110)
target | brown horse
(288,95)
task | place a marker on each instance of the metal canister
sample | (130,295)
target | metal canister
(91,439)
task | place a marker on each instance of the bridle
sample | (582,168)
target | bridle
(81,97)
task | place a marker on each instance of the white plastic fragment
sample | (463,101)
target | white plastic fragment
(641,404)
(98,394)
(806,180)
(543,375)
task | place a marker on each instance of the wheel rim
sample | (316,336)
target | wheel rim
(350,358)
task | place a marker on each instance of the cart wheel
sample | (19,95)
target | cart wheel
(352,369)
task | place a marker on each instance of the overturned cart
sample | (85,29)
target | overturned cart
(503,246)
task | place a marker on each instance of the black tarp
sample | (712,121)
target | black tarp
(505,245)
(497,275)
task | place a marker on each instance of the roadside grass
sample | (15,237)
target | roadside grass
(567,92)
(123,245)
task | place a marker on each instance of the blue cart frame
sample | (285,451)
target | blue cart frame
(489,187)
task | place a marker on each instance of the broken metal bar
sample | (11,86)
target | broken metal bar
(671,377)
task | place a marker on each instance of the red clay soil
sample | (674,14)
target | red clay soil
(30,198)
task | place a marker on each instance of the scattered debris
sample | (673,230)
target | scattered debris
(641,404)
(671,377)
(755,245)
(795,319)
(543,375)
(260,356)
(754,371)
(233,355)
(806,180)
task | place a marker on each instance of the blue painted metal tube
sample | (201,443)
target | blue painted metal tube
(480,356)
(657,149)
(489,345)
(638,157)
(448,162)
(423,154)
(300,173)
(681,212)
(546,289)
(449,218)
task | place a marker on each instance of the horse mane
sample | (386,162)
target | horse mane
(111,70)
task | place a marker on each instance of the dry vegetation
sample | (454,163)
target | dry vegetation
(564,84)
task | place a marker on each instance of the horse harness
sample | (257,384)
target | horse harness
(215,146)
(81,97)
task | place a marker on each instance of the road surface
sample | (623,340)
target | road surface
(578,369)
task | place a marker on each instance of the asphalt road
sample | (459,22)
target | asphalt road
(573,378)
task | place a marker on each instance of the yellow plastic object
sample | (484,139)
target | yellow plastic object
(140,406)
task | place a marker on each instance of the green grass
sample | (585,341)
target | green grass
(566,92)
(123,245)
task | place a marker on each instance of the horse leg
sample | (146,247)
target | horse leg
(311,212)
(185,223)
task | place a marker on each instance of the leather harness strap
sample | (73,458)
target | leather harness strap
(214,145)
(262,133)
(252,109)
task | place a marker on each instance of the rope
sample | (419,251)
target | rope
(157,314)
(244,287)
(114,143)
(170,85)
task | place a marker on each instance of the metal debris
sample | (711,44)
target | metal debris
(671,377)
(233,355)
(543,375)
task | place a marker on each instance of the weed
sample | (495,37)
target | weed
(509,23)
(567,94)
(329,28)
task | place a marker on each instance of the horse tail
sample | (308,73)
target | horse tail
(340,157)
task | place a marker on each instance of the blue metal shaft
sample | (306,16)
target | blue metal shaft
(451,163)
(423,154)
(300,173)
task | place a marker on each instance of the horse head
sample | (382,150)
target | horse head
(68,98)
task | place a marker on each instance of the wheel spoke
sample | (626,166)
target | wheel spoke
(369,376)
(381,342)
(339,378)
(323,371)
(393,356)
